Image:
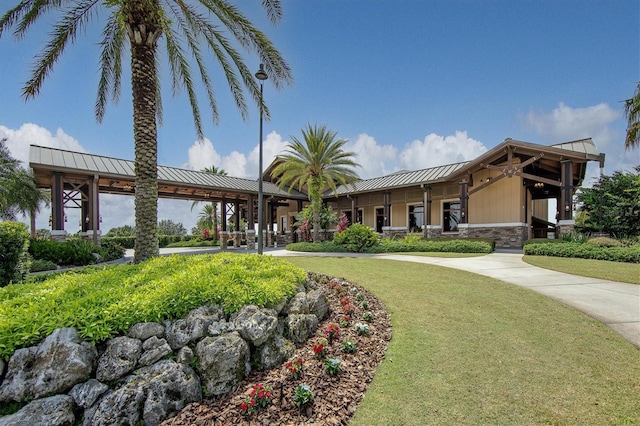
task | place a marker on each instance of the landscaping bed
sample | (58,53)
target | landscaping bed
(335,398)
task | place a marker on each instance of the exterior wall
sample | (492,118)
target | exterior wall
(501,202)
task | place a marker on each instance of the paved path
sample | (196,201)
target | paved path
(615,304)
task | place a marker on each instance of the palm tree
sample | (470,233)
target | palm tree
(140,24)
(18,190)
(317,163)
(212,212)
(632,111)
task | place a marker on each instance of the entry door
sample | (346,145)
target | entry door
(379,219)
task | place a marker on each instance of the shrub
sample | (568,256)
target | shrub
(302,395)
(463,245)
(605,242)
(585,251)
(71,252)
(14,242)
(110,250)
(126,242)
(357,238)
(39,265)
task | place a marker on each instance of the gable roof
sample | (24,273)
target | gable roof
(580,150)
(42,159)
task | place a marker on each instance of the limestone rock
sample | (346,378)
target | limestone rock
(254,324)
(185,355)
(301,326)
(275,351)
(144,330)
(318,303)
(154,350)
(120,358)
(149,396)
(219,327)
(298,304)
(223,362)
(87,393)
(53,411)
(35,372)
(181,332)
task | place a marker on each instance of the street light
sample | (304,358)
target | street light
(262,76)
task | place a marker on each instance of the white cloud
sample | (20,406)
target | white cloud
(375,160)
(436,150)
(18,141)
(565,123)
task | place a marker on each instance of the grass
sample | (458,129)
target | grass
(468,349)
(603,269)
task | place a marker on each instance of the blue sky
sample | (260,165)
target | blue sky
(410,84)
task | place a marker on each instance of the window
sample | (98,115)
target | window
(416,218)
(349,214)
(450,216)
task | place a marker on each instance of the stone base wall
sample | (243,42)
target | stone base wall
(283,239)
(565,227)
(224,243)
(251,240)
(510,236)
(59,235)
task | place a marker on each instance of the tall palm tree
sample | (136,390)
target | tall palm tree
(632,111)
(317,163)
(212,212)
(139,25)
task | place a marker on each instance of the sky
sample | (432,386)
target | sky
(410,84)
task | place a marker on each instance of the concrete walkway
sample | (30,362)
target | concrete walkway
(613,303)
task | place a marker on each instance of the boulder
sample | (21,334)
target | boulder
(154,350)
(185,355)
(298,304)
(318,303)
(147,397)
(275,351)
(254,324)
(54,366)
(53,411)
(120,358)
(300,327)
(219,327)
(144,330)
(87,393)
(184,331)
(223,362)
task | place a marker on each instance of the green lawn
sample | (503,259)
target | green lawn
(468,349)
(603,269)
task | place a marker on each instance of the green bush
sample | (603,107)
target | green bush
(40,265)
(103,302)
(544,241)
(437,245)
(196,242)
(110,250)
(585,251)
(14,242)
(72,252)
(605,242)
(126,242)
(318,247)
(357,238)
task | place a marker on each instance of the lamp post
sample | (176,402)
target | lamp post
(260,75)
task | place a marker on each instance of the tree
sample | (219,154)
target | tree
(139,25)
(169,227)
(612,205)
(122,231)
(632,111)
(18,190)
(318,163)
(211,213)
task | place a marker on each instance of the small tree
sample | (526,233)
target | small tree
(14,245)
(169,227)
(612,205)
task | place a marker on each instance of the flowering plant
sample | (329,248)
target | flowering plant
(348,346)
(332,331)
(345,320)
(348,309)
(206,234)
(343,223)
(332,366)
(259,397)
(362,329)
(368,316)
(295,367)
(365,304)
(334,284)
(344,300)
(360,296)
(302,395)
(319,348)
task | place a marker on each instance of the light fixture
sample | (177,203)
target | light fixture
(127,187)
(260,75)
(566,208)
(539,185)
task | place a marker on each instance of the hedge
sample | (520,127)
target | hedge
(585,251)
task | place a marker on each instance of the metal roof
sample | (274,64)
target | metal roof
(399,179)
(77,162)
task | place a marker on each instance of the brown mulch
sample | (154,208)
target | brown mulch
(335,397)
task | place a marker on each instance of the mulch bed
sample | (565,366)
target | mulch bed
(335,398)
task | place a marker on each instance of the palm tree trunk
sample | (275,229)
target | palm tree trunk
(215,221)
(143,35)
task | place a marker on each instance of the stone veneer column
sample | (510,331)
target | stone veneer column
(237,239)
(565,227)
(223,240)
(251,239)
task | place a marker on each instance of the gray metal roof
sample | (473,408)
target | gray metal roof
(399,179)
(585,146)
(78,162)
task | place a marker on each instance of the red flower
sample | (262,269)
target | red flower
(244,406)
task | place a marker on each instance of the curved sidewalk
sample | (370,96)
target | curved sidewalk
(613,303)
